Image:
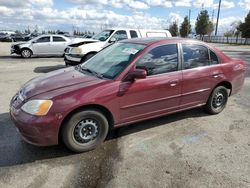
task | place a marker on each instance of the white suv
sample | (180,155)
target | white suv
(80,52)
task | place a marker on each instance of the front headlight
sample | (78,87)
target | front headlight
(37,107)
(76,50)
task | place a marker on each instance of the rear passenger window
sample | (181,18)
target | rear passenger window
(214,58)
(195,56)
(133,34)
(161,59)
(58,39)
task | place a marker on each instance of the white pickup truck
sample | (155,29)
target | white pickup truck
(80,52)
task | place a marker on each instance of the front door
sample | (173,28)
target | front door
(42,45)
(160,91)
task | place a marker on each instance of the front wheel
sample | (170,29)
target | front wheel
(85,130)
(26,53)
(217,100)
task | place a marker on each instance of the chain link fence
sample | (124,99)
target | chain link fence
(225,40)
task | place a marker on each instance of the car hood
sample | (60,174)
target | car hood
(82,42)
(20,43)
(56,80)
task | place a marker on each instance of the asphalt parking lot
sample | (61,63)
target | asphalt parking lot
(188,149)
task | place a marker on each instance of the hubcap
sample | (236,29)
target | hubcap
(218,99)
(26,53)
(86,130)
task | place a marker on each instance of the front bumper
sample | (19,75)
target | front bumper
(72,59)
(36,130)
(15,50)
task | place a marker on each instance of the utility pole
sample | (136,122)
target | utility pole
(189,15)
(218,15)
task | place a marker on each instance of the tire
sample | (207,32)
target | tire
(26,53)
(217,100)
(85,130)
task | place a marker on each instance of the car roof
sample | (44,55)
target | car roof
(53,35)
(153,40)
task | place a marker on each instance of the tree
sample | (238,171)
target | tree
(173,29)
(185,28)
(202,23)
(210,28)
(245,27)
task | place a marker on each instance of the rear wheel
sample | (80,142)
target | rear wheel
(217,100)
(85,130)
(26,53)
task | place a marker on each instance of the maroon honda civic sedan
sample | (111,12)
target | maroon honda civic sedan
(127,82)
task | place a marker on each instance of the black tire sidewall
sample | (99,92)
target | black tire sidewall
(69,127)
(209,106)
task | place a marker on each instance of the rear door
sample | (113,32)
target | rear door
(58,44)
(200,74)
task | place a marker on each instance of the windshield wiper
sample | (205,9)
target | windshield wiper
(99,75)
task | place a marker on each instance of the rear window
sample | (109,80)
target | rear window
(195,56)
(133,34)
(58,39)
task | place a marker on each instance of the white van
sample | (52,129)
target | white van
(80,52)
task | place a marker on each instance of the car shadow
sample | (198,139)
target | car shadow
(15,151)
(46,69)
(156,122)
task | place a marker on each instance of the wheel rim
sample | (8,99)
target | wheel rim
(219,99)
(86,130)
(26,53)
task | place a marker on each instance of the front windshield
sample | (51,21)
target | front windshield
(104,35)
(111,61)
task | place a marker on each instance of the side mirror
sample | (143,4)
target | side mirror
(112,40)
(136,74)
(33,42)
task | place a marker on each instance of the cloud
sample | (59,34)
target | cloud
(163,3)
(244,4)
(27,3)
(183,3)
(225,5)
(175,17)
(4,11)
(204,3)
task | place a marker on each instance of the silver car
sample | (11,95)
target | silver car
(43,45)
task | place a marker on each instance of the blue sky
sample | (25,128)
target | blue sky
(96,15)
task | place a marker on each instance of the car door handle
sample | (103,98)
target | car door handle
(173,82)
(215,74)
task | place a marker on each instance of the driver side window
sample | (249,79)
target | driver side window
(43,39)
(120,35)
(161,59)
